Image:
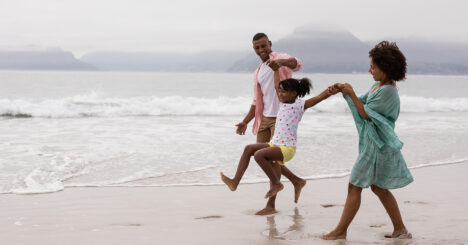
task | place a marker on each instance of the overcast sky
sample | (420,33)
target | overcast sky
(83,26)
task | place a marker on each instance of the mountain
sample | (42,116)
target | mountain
(208,61)
(52,59)
(324,51)
(425,57)
(320,51)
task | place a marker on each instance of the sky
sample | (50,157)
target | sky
(83,26)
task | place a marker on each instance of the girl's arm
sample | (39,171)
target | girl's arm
(277,80)
(317,99)
(348,90)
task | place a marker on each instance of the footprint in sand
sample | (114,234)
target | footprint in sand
(210,217)
(127,224)
(376,225)
(418,202)
(330,205)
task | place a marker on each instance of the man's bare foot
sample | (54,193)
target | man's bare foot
(274,189)
(298,188)
(334,235)
(266,211)
(229,182)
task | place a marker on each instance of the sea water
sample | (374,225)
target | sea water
(69,129)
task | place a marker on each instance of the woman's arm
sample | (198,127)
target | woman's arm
(348,90)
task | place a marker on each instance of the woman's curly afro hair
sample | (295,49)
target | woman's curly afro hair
(388,57)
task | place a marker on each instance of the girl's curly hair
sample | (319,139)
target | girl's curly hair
(301,86)
(388,57)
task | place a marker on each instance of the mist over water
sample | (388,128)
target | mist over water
(65,129)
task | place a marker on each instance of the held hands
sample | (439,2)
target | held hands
(274,64)
(345,88)
(241,128)
(334,89)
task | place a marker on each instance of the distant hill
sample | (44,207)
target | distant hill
(320,51)
(341,52)
(209,61)
(41,60)
(425,57)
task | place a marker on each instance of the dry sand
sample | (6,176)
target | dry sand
(434,209)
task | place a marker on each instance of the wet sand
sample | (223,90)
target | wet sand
(433,208)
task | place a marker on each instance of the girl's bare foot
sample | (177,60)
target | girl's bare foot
(266,211)
(229,182)
(297,189)
(274,189)
(334,235)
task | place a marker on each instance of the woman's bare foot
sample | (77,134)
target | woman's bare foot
(274,189)
(402,233)
(229,182)
(266,211)
(334,235)
(298,188)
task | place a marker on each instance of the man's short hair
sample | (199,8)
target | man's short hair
(259,36)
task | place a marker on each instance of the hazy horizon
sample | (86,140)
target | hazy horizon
(186,26)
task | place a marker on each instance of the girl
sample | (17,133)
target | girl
(282,146)
(380,164)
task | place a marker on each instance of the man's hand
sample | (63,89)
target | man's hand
(241,128)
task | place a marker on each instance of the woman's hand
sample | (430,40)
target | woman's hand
(347,89)
(335,88)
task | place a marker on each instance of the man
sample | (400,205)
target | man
(266,104)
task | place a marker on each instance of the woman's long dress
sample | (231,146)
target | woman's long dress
(380,161)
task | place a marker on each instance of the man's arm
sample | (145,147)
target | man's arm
(291,63)
(242,126)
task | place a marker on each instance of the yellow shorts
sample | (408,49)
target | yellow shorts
(287,151)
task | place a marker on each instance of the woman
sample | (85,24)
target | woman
(380,164)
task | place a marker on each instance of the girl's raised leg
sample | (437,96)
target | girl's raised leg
(249,151)
(297,182)
(266,159)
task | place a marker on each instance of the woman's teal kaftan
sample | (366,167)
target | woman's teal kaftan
(380,161)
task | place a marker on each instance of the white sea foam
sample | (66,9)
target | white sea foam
(50,177)
(94,105)
(44,180)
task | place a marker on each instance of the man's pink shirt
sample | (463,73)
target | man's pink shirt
(284,73)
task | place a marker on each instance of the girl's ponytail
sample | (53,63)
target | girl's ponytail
(304,87)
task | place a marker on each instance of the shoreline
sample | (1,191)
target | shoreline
(433,208)
(309,178)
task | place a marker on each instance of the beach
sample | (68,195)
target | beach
(433,208)
(129,158)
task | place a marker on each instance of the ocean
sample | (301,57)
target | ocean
(62,129)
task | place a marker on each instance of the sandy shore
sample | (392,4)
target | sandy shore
(434,209)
